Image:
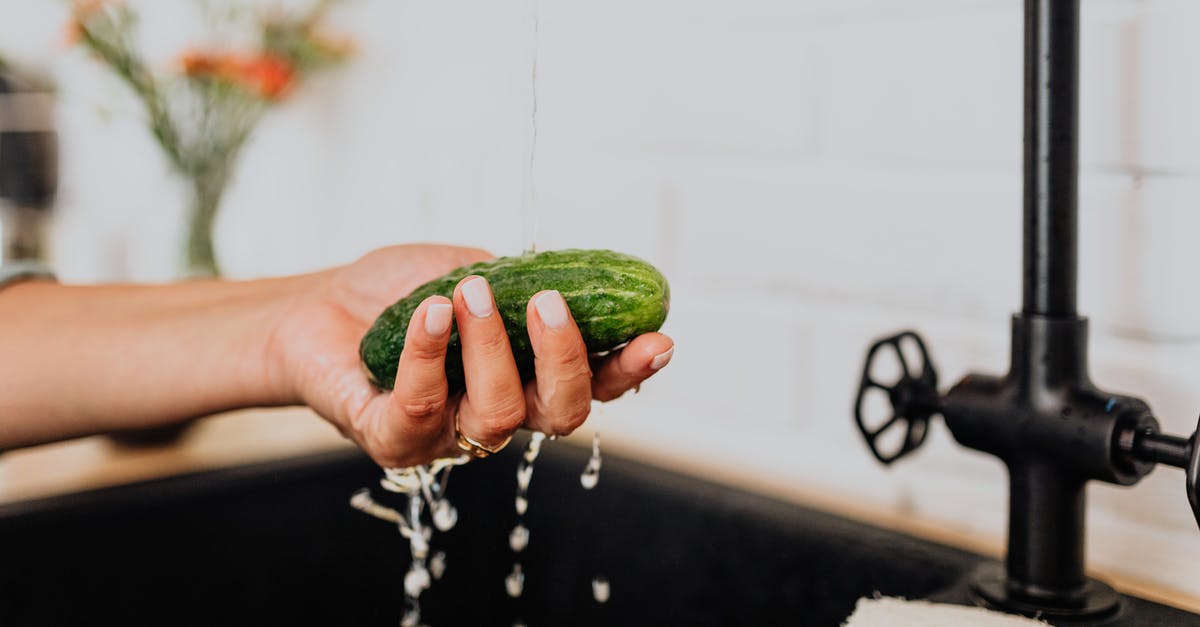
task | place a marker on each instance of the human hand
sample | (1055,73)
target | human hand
(317,362)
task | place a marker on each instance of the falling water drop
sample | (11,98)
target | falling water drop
(419,544)
(524,475)
(591,473)
(417,580)
(535,446)
(590,477)
(437,565)
(445,516)
(519,538)
(600,589)
(514,583)
(522,504)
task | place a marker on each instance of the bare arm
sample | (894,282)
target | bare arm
(80,360)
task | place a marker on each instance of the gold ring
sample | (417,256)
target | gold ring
(473,447)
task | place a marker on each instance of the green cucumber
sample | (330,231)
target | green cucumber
(612,296)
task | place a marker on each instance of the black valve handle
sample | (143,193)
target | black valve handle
(913,397)
(1152,446)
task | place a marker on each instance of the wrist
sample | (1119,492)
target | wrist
(283,368)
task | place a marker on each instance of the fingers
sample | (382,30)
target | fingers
(405,427)
(420,389)
(560,396)
(627,368)
(414,423)
(401,428)
(494,404)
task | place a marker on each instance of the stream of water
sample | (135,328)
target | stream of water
(425,486)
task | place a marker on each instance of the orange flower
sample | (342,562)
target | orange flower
(197,64)
(73,33)
(265,76)
(81,12)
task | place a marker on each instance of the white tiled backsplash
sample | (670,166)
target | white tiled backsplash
(809,174)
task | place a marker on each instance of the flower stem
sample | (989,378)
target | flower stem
(206,201)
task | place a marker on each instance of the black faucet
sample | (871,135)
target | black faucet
(1047,422)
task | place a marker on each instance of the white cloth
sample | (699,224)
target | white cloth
(893,612)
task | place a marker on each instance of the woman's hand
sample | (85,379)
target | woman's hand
(316,361)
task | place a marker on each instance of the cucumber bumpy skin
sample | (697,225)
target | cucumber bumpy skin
(612,296)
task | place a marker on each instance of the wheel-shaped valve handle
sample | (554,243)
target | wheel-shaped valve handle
(912,395)
(1192,472)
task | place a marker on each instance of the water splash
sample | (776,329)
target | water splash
(425,488)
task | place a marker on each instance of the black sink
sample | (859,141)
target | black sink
(278,544)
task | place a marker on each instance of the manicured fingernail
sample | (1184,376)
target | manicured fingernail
(437,318)
(478,297)
(661,359)
(552,308)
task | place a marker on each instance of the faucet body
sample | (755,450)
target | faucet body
(1055,431)
(1045,419)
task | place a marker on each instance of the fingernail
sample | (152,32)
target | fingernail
(552,308)
(437,318)
(661,359)
(478,297)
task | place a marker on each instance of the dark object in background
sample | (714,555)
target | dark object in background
(28,166)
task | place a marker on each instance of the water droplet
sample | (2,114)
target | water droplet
(591,473)
(416,580)
(519,538)
(524,475)
(412,617)
(437,565)
(600,589)
(535,446)
(514,583)
(589,479)
(522,505)
(444,515)
(419,544)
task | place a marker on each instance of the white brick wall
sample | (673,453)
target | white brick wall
(809,174)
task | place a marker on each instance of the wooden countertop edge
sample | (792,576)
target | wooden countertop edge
(232,439)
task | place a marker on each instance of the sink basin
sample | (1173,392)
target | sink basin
(277,543)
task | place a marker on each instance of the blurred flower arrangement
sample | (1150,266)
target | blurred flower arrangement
(202,110)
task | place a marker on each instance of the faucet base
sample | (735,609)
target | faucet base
(991,588)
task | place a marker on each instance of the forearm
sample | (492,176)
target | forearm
(79,360)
